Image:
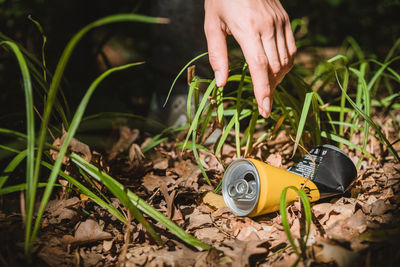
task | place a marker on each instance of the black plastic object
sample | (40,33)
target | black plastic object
(334,170)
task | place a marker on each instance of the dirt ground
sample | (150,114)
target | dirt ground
(360,228)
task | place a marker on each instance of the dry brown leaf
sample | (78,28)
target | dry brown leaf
(358,222)
(135,155)
(240,251)
(107,245)
(152,181)
(275,160)
(214,200)
(179,257)
(58,210)
(87,232)
(197,219)
(126,138)
(74,146)
(210,161)
(379,207)
(160,164)
(326,253)
(172,212)
(242,227)
(56,256)
(209,235)
(90,258)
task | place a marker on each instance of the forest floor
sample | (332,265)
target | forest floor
(360,228)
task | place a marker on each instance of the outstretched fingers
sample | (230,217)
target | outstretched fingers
(257,60)
(218,52)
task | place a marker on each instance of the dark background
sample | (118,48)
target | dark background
(165,48)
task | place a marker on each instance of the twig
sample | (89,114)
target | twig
(22,206)
(127,238)
(40,116)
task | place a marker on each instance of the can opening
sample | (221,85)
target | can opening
(243,188)
(240,186)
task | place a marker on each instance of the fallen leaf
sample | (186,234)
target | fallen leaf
(160,164)
(179,257)
(107,245)
(358,221)
(135,155)
(214,200)
(152,181)
(379,207)
(58,210)
(275,160)
(209,235)
(126,138)
(90,258)
(56,256)
(240,251)
(197,219)
(87,232)
(329,253)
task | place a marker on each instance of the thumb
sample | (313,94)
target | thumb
(217,51)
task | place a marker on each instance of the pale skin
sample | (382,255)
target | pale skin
(262,29)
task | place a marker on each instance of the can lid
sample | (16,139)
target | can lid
(241,187)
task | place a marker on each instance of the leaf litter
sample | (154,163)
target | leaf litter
(346,230)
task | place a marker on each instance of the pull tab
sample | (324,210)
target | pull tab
(242,189)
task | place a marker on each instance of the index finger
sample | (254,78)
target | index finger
(257,60)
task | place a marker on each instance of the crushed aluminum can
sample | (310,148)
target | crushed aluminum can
(252,188)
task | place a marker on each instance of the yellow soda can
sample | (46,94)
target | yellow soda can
(252,188)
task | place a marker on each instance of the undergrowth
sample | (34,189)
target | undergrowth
(299,108)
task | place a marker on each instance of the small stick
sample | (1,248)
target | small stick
(127,238)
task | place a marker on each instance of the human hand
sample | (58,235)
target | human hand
(262,29)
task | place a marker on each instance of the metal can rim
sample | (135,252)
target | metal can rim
(226,181)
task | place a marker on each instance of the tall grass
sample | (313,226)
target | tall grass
(299,106)
(130,200)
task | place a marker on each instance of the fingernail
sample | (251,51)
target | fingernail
(218,78)
(266,106)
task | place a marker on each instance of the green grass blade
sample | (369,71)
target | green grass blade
(250,130)
(111,209)
(206,121)
(30,128)
(303,119)
(367,104)
(71,132)
(238,109)
(224,135)
(139,203)
(196,156)
(20,187)
(44,37)
(339,139)
(220,104)
(121,193)
(392,50)
(285,223)
(343,103)
(54,86)
(180,73)
(14,163)
(338,109)
(356,47)
(192,86)
(22,154)
(87,179)
(194,125)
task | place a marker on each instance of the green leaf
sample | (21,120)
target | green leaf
(139,203)
(303,119)
(71,132)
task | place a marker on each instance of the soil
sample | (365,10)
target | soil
(359,228)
